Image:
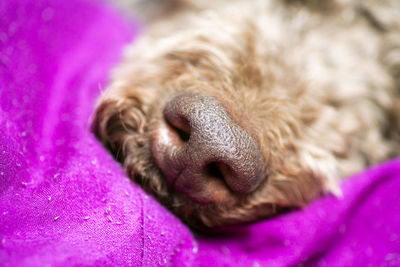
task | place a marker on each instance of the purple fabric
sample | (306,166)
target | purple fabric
(64,201)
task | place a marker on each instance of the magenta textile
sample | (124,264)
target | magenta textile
(64,201)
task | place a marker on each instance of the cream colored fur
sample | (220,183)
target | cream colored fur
(315,82)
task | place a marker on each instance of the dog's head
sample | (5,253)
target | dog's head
(220,132)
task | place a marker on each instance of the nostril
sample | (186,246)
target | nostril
(218,170)
(183,135)
(180,127)
(213,170)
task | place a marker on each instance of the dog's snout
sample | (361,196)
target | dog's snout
(200,143)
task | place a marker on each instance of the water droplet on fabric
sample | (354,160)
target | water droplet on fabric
(3,37)
(393,237)
(286,243)
(47,14)
(322,263)
(390,256)
(32,69)
(368,251)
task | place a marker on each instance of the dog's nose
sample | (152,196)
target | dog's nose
(199,142)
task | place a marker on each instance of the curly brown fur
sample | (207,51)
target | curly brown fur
(314,82)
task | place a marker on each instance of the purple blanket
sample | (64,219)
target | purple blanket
(64,200)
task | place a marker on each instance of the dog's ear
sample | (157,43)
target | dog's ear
(115,121)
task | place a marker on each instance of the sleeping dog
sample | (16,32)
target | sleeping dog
(231,111)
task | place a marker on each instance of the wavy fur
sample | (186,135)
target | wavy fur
(315,82)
